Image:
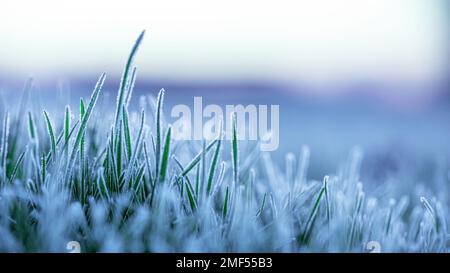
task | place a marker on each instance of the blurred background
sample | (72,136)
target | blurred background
(367,73)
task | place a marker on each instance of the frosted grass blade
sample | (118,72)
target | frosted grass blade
(124,80)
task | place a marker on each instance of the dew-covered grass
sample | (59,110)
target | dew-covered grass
(114,180)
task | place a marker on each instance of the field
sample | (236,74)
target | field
(111,179)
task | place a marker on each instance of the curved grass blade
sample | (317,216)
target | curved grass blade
(159,105)
(124,80)
(51,134)
(214,161)
(85,120)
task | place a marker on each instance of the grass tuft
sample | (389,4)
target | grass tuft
(127,190)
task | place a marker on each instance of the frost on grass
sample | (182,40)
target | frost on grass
(114,181)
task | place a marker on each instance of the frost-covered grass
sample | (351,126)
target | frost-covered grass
(114,180)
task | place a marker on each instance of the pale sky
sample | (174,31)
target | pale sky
(315,41)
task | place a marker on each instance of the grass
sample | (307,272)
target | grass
(116,181)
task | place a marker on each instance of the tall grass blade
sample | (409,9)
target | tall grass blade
(85,121)
(82,113)
(126,130)
(159,105)
(225,203)
(234,149)
(4,144)
(66,132)
(16,166)
(20,113)
(165,155)
(136,148)
(191,198)
(124,80)
(312,215)
(32,128)
(130,88)
(214,161)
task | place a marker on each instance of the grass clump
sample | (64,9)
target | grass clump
(119,183)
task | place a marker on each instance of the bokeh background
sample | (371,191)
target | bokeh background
(367,73)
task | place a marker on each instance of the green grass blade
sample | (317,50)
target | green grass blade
(158,116)
(165,155)
(214,161)
(112,167)
(312,215)
(51,134)
(147,161)
(130,88)
(197,158)
(4,146)
(124,80)
(60,137)
(197,180)
(203,173)
(85,120)
(101,186)
(31,127)
(118,145)
(34,138)
(43,169)
(126,129)
(234,149)
(263,204)
(82,108)
(316,205)
(82,112)
(16,166)
(23,102)
(152,185)
(327,197)
(225,203)
(136,148)
(220,178)
(137,182)
(66,132)
(191,196)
